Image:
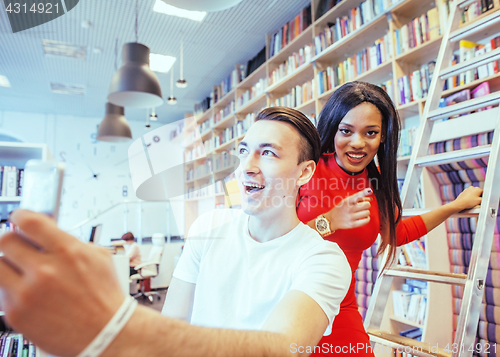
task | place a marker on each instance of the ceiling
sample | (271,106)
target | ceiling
(211,49)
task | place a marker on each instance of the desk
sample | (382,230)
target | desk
(121,263)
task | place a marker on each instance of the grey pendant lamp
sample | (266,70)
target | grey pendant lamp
(135,84)
(172,100)
(114,127)
(182,83)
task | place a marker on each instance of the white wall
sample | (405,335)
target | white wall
(72,140)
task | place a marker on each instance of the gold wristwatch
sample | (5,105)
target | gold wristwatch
(323,225)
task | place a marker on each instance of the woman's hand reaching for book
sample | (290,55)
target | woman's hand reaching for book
(468,198)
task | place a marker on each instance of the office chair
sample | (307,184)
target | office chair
(151,267)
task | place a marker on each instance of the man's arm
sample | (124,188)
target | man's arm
(179,301)
(295,323)
(61,294)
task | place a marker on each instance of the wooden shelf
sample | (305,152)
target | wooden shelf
(407,10)
(299,42)
(204,177)
(224,146)
(204,136)
(424,53)
(307,107)
(378,74)
(495,78)
(225,122)
(340,9)
(204,116)
(301,75)
(405,321)
(405,158)
(253,105)
(229,169)
(253,78)
(224,101)
(352,43)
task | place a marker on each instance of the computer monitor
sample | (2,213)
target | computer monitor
(95,234)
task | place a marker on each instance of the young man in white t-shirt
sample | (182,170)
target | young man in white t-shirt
(243,269)
(270,283)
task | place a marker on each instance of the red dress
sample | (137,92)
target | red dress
(329,185)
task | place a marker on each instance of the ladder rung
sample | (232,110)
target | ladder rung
(471,64)
(465,3)
(411,212)
(427,275)
(454,156)
(475,26)
(466,106)
(406,344)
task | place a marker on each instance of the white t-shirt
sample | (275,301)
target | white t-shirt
(239,281)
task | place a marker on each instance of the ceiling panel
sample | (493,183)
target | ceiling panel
(211,49)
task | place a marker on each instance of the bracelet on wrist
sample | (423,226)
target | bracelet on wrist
(111,330)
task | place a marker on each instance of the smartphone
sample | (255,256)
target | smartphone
(42,187)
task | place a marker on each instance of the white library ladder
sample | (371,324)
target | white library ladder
(474,281)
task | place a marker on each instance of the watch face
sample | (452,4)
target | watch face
(322,225)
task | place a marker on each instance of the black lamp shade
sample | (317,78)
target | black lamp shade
(135,84)
(114,127)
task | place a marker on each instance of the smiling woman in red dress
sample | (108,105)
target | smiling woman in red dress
(354,200)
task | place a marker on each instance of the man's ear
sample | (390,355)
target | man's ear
(307,171)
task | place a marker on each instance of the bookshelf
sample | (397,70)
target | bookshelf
(379,30)
(17,154)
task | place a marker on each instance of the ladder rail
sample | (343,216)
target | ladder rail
(487,213)
(481,249)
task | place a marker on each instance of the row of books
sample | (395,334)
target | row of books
(196,152)
(225,160)
(413,254)
(467,94)
(299,95)
(13,344)
(229,83)
(469,50)
(11,181)
(415,86)
(475,9)
(418,31)
(290,31)
(294,61)
(252,93)
(203,106)
(207,189)
(223,113)
(409,305)
(342,27)
(347,70)
(406,141)
(204,168)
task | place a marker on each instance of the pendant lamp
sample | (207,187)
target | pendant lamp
(114,127)
(182,83)
(135,84)
(203,5)
(172,100)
